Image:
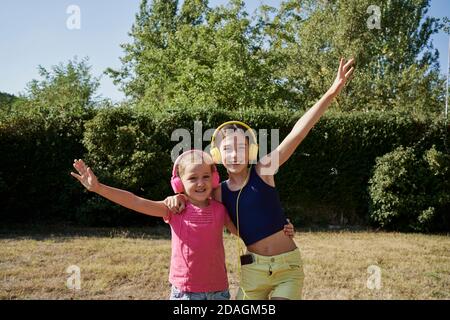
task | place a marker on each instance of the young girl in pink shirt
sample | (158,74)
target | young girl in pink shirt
(197,268)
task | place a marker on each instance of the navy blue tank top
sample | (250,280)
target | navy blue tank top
(260,211)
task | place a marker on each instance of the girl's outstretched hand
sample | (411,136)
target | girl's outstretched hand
(346,69)
(85,176)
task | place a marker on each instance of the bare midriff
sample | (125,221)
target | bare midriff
(272,245)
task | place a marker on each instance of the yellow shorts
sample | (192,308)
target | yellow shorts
(278,276)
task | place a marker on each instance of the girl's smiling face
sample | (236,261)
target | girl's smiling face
(234,151)
(197,182)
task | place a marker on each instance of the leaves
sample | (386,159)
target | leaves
(282,57)
(409,192)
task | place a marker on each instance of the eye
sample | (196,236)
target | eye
(206,176)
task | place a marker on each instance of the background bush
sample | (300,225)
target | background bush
(410,190)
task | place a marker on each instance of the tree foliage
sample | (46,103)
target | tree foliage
(198,56)
(194,55)
(396,64)
(64,90)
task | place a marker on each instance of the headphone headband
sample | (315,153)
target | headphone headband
(177,161)
(213,138)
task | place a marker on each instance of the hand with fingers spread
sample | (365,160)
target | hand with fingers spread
(85,176)
(121,197)
(346,69)
(303,126)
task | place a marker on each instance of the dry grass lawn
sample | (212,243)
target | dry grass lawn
(133,264)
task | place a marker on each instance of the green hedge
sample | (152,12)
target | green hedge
(35,162)
(325,181)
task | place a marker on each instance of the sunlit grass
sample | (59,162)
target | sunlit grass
(134,264)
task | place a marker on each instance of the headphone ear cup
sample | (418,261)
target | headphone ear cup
(215,154)
(177,184)
(253,152)
(215,179)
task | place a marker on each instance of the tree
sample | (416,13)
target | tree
(196,56)
(65,89)
(6,102)
(282,57)
(143,65)
(396,64)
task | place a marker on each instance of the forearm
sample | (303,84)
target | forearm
(303,126)
(312,116)
(301,129)
(133,202)
(122,197)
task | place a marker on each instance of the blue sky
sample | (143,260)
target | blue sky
(34,33)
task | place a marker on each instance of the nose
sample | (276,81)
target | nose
(234,155)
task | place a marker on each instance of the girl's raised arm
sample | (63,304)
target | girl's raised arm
(122,197)
(269,164)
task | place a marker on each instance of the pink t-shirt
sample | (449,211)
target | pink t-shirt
(198,256)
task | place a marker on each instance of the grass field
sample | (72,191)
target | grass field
(133,264)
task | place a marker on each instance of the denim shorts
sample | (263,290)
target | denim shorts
(177,294)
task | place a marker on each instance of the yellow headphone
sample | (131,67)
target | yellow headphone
(253,148)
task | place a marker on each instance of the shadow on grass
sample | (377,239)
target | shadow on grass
(62,233)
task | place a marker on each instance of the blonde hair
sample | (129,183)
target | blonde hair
(194,158)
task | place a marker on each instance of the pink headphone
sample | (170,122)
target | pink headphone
(177,184)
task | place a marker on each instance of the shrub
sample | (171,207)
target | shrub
(410,191)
